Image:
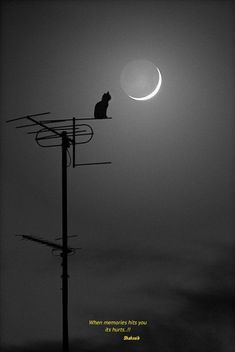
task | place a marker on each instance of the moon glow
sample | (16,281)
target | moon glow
(141,80)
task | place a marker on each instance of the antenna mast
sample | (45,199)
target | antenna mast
(54,133)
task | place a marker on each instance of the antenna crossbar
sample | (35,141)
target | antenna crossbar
(45,242)
(44,126)
(97,163)
(27,116)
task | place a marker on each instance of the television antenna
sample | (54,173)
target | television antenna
(62,133)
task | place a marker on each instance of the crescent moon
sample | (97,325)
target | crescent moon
(154,92)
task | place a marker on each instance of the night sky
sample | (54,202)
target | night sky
(156,226)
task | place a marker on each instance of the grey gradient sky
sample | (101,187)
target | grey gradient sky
(156,227)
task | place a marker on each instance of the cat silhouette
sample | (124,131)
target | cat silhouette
(102,106)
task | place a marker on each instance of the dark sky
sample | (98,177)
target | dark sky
(156,227)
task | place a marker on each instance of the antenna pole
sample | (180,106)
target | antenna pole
(67,138)
(65,145)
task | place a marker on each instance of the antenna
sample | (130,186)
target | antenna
(60,133)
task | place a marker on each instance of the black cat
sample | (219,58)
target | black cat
(102,106)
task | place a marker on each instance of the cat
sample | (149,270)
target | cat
(102,106)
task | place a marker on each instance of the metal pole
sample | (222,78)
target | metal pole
(74,122)
(65,145)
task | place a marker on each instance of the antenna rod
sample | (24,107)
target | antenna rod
(27,116)
(98,163)
(45,242)
(41,124)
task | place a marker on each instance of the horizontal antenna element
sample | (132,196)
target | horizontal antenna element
(27,116)
(45,242)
